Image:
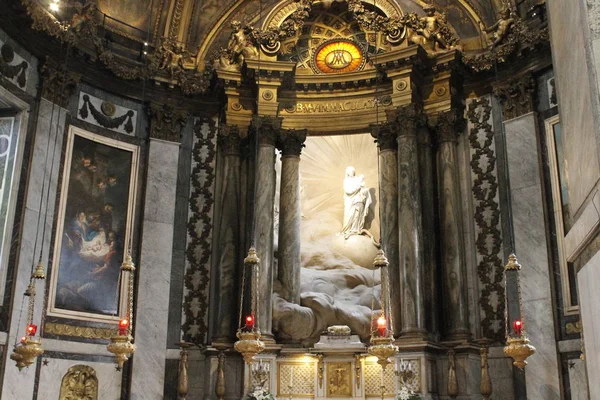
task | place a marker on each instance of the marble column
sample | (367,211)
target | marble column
(388,212)
(227,236)
(267,129)
(154,271)
(454,282)
(291,143)
(426,177)
(410,230)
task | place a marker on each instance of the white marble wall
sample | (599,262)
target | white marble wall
(589,305)
(18,385)
(154,272)
(109,379)
(530,247)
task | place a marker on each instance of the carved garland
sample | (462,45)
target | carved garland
(16,71)
(197,276)
(487,218)
(105,120)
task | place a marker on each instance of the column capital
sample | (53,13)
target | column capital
(384,137)
(516,95)
(229,139)
(448,124)
(166,122)
(405,119)
(291,141)
(267,128)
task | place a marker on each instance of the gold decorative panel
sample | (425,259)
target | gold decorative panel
(339,379)
(374,378)
(296,379)
(79,383)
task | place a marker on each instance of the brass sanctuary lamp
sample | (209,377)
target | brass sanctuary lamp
(517,343)
(248,334)
(29,347)
(122,345)
(382,338)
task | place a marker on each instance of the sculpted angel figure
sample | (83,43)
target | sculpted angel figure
(357,200)
(502,27)
(432,30)
(239,48)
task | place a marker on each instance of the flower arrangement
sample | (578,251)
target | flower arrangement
(260,394)
(406,394)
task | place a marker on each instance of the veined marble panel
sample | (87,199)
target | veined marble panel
(51,375)
(530,247)
(20,384)
(154,272)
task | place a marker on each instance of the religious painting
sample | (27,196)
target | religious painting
(94,226)
(339,379)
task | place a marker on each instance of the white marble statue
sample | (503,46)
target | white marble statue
(357,201)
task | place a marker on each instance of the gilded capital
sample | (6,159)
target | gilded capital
(267,128)
(291,141)
(384,137)
(229,139)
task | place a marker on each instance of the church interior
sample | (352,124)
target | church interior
(299,199)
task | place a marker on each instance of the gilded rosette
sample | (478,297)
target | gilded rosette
(26,352)
(249,345)
(121,347)
(519,349)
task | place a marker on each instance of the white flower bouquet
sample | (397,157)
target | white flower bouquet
(406,394)
(260,394)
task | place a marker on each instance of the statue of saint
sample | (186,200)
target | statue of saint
(357,201)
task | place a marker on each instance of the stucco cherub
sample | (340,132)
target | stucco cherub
(502,27)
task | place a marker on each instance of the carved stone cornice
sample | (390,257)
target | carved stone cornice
(516,95)
(229,139)
(448,124)
(404,120)
(166,122)
(58,83)
(267,128)
(384,137)
(291,141)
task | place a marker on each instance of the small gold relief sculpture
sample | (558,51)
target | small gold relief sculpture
(339,383)
(79,383)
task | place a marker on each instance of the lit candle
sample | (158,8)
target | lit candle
(250,322)
(381,325)
(518,327)
(292,376)
(123,326)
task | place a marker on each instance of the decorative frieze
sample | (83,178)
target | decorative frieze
(517,96)
(86,332)
(197,276)
(166,122)
(106,114)
(490,269)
